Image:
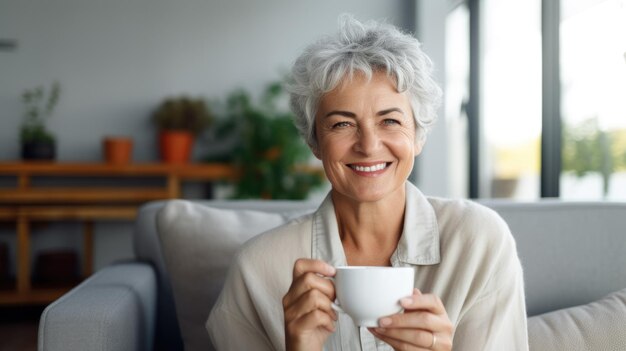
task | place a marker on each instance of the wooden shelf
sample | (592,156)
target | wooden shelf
(70,212)
(81,195)
(26,203)
(33,297)
(190,171)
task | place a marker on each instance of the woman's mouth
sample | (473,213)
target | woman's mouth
(371,168)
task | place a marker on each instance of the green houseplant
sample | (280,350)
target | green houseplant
(268,151)
(179,120)
(37,141)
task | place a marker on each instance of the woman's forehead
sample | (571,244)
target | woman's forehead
(363,91)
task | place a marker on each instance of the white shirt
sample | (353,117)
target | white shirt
(462,252)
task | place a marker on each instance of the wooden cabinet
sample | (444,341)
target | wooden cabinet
(26,203)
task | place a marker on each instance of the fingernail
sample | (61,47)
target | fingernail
(384,322)
(406,301)
(331,270)
(417,291)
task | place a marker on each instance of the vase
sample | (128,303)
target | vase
(118,150)
(175,146)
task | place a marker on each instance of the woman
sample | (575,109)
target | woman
(364,100)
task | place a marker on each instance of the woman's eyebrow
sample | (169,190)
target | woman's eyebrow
(389,110)
(353,115)
(341,113)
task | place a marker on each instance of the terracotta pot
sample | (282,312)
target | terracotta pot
(118,150)
(175,146)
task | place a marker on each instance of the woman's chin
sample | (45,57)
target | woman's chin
(366,195)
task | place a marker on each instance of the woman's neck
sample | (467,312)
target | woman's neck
(370,231)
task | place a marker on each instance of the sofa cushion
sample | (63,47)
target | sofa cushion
(198,243)
(596,326)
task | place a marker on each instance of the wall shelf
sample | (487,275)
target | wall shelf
(27,203)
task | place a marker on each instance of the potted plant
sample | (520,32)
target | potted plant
(268,150)
(37,142)
(180,120)
(118,150)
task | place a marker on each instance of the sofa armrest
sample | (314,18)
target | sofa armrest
(115,309)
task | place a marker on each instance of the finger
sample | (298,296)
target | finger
(415,337)
(305,265)
(398,344)
(444,341)
(312,320)
(419,319)
(306,276)
(310,281)
(306,282)
(311,301)
(427,302)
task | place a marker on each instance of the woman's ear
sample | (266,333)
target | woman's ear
(315,148)
(418,147)
(316,151)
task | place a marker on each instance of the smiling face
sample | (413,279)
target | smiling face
(366,138)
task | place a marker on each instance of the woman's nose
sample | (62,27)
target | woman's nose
(367,141)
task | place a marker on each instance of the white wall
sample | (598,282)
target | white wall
(433,164)
(117,59)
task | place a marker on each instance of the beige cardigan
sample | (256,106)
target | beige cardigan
(461,251)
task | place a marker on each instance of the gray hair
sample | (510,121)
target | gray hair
(365,47)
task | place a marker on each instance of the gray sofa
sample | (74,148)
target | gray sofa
(573,255)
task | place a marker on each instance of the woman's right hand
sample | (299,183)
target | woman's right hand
(309,317)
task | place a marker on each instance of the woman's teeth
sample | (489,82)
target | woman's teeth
(374,168)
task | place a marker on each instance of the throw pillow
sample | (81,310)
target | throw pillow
(198,243)
(596,326)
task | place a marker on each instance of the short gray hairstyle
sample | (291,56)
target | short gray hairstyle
(365,47)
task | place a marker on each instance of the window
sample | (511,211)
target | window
(510,98)
(593,99)
(457,95)
(577,123)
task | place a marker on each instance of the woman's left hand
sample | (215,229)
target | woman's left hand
(424,325)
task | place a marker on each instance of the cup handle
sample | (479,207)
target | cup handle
(335,306)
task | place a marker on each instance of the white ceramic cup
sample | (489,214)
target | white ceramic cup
(369,293)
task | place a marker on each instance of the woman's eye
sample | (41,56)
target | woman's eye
(391,121)
(341,124)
